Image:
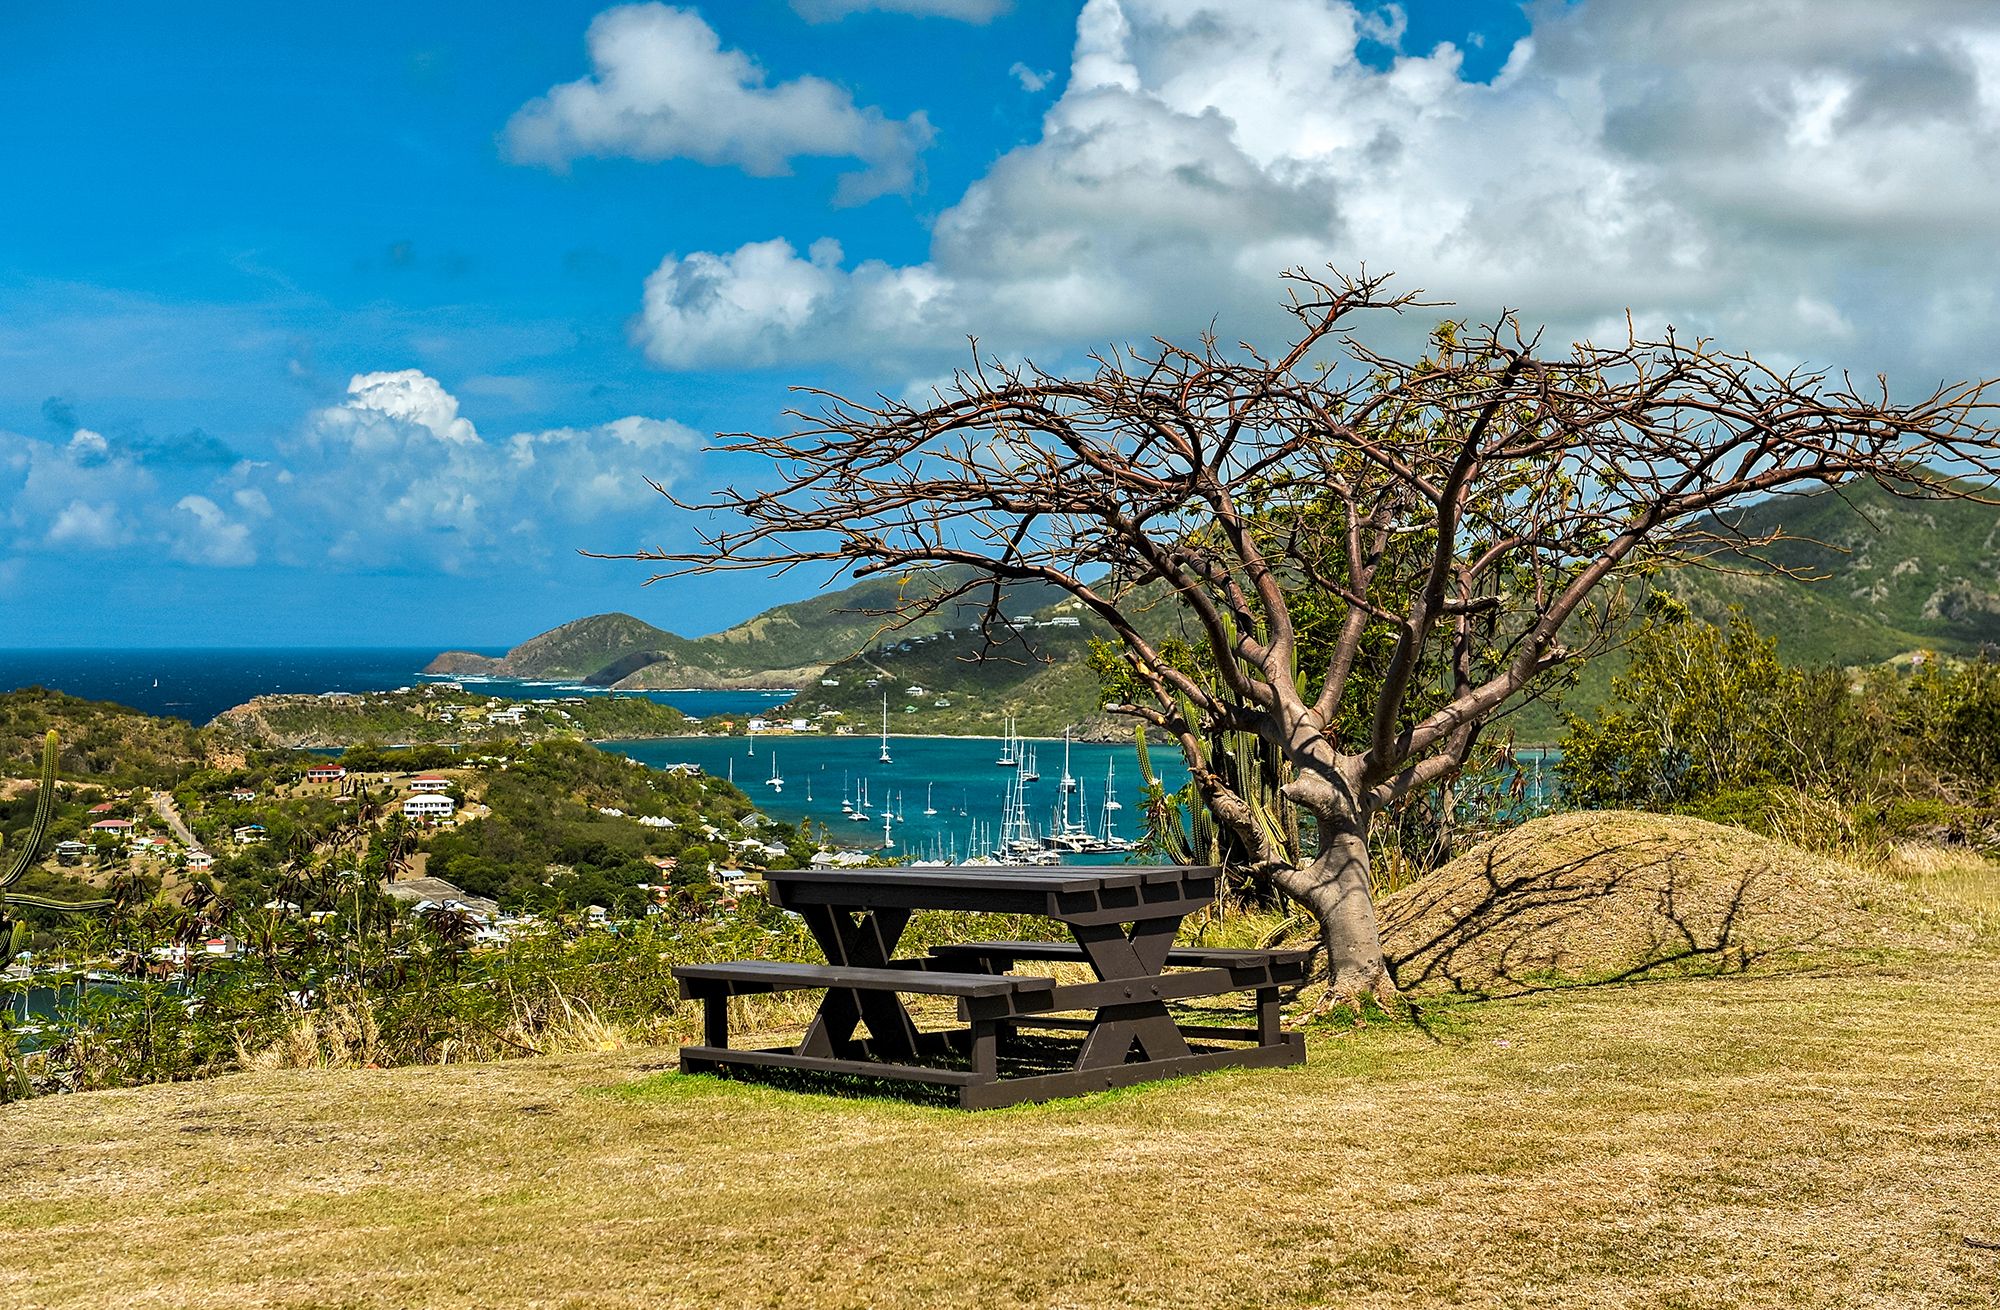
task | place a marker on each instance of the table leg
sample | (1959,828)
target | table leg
(1115,954)
(866,941)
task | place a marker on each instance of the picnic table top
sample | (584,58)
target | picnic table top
(1059,879)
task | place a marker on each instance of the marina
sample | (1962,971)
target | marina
(941,799)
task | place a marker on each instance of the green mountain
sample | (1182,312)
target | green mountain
(1887,576)
(787,646)
(1862,577)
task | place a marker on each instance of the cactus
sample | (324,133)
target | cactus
(45,804)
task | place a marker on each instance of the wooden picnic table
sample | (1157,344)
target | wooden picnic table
(1024,1037)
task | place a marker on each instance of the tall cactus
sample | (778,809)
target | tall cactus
(45,804)
(38,830)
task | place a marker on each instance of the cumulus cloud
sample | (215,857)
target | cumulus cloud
(970,11)
(92,527)
(204,534)
(391,477)
(397,478)
(1809,181)
(662,86)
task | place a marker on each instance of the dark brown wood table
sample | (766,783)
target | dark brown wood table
(1024,1037)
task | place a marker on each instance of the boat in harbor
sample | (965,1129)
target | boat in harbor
(885,727)
(776,782)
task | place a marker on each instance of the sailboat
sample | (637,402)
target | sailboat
(732,771)
(1029,773)
(776,782)
(1068,782)
(752,752)
(888,841)
(929,808)
(846,794)
(885,727)
(1008,759)
(861,804)
(809,790)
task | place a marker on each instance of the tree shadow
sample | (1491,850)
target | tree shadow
(1615,914)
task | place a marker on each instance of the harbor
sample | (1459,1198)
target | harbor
(939,799)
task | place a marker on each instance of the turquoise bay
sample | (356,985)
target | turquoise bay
(955,776)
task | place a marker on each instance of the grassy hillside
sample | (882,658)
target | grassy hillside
(101,742)
(1815,1138)
(430,715)
(1892,576)
(780,647)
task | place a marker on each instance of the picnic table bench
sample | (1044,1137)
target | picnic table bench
(1012,1045)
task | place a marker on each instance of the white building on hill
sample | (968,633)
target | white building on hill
(428,806)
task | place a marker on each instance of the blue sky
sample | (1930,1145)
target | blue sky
(353,326)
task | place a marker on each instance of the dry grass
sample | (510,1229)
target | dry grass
(1822,1139)
(1597,896)
(1947,879)
(1823,1136)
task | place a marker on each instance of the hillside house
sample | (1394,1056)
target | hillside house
(325,773)
(120,828)
(71,852)
(429,783)
(249,834)
(429,808)
(243,794)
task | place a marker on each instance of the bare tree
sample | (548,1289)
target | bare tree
(1375,557)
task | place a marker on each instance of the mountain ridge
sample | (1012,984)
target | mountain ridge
(1897,575)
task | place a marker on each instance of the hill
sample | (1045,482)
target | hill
(785,646)
(100,742)
(1889,576)
(1893,575)
(433,715)
(1601,895)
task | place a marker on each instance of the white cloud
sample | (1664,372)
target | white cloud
(1030,80)
(394,477)
(92,527)
(970,11)
(406,395)
(663,87)
(206,535)
(1811,181)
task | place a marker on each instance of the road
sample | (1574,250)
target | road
(170,814)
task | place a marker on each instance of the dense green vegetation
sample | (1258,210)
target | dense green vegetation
(100,742)
(1708,720)
(549,844)
(434,714)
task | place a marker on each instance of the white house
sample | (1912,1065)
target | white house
(428,806)
(429,782)
(325,773)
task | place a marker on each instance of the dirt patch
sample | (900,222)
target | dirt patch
(1610,895)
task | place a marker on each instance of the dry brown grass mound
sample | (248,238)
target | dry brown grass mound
(1601,896)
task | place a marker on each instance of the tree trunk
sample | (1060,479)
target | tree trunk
(1335,887)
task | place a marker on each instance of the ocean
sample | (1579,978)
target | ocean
(197,685)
